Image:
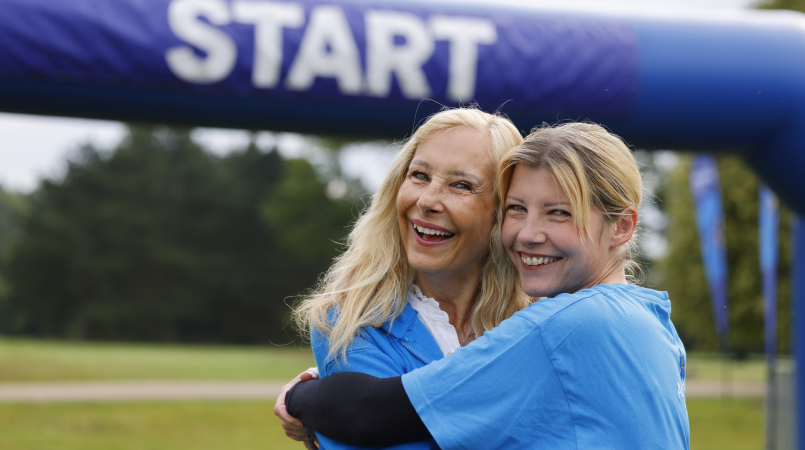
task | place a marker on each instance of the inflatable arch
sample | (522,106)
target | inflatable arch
(733,82)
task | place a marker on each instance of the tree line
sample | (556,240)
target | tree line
(160,240)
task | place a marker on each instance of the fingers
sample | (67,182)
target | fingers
(292,426)
(312,442)
(310,374)
(292,422)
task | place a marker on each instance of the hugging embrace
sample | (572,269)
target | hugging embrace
(487,299)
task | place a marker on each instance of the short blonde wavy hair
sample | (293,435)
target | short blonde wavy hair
(593,167)
(367,284)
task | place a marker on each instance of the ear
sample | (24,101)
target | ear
(625,226)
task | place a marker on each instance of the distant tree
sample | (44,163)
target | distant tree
(13,211)
(796,5)
(160,240)
(681,272)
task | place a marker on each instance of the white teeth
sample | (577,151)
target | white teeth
(537,261)
(431,232)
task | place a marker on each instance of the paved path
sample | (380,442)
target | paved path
(116,391)
(707,388)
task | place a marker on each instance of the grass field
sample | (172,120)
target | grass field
(715,424)
(731,425)
(30,360)
(146,426)
(711,366)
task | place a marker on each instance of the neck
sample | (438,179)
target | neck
(615,273)
(455,296)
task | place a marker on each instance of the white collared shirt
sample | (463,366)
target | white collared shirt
(434,319)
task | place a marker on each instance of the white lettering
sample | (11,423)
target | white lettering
(269,18)
(183,18)
(328,49)
(383,57)
(464,34)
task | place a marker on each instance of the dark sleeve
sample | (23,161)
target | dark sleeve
(357,409)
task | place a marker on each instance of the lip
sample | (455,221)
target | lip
(425,243)
(430,225)
(535,255)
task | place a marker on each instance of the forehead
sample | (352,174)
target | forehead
(535,185)
(460,148)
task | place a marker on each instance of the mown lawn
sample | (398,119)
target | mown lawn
(715,425)
(34,360)
(142,426)
(735,424)
(711,366)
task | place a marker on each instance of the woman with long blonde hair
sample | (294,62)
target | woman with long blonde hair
(422,274)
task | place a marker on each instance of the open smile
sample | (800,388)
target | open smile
(533,262)
(430,235)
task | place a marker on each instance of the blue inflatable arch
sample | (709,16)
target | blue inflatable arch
(732,83)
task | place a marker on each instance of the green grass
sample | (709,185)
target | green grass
(725,425)
(709,366)
(142,426)
(33,360)
(715,425)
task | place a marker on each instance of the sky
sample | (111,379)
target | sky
(36,147)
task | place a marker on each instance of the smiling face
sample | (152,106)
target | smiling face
(543,243)
(446,205)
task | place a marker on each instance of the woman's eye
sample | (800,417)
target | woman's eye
(560,213)
(420,176)
(513,208)
(463,185)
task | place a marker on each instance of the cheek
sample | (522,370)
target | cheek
(509,234)
(405,199)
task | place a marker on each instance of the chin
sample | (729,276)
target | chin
(536,290)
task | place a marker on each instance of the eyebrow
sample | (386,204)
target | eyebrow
(548,205)
(461,173)
(455,173)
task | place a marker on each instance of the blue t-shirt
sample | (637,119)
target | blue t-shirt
(602,368)
(395,348)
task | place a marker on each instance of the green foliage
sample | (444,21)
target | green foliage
(681,272)
(796,5)
(13,211)
(160,240)
(305,221)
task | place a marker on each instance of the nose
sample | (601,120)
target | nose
(532,233)
(430,201)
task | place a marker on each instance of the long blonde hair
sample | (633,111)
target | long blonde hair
(592,166)
(367,284)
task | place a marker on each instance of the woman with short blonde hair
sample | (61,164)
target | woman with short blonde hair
(568,152)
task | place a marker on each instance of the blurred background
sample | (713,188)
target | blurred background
(147,273)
